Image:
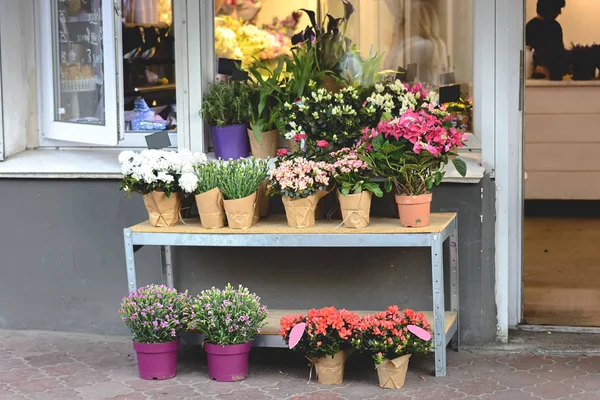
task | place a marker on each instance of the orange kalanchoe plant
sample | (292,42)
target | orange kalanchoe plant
(328,331)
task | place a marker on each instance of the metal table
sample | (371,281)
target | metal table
(274,232)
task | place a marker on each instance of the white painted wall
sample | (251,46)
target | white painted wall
(579,21)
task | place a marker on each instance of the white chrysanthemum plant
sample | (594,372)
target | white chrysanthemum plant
(160,170)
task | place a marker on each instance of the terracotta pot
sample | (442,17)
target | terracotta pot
(392,373)
(356,209)
(267,146)
(163,210)
(414,210)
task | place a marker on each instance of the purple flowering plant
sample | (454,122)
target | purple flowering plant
(228,316)
(155,313)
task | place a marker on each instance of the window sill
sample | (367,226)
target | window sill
(103,164)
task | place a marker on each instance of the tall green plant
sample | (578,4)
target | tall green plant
(242,177)
(227,103)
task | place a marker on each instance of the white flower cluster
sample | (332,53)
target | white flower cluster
(158,167)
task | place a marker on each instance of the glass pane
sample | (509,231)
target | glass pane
(149,65)
(429,38)
(79,61)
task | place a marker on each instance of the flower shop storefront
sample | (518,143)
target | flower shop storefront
(333,120)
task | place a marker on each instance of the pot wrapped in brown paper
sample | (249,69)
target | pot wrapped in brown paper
(320,212)
(241,212)
(330,370)
(392,373)
(356,209)
(163,210)
(300,213)
(294,146)
(267,148)
(211,209)
(263,200)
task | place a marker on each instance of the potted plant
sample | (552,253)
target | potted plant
(204,184)
(240,182)
(411,151)
(156,175)
(391,337)
(156,315)
(583,61)
(324,338)
(226,107)
(461,112)
(298,180)
(229,319)
(267,94)
(353,176)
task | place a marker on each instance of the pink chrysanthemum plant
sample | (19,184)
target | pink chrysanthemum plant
(155,313)
(411,150)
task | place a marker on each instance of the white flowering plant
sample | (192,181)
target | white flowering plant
(228,316)
(205,177)
(240,178)
(333,119)
(155,313)
(158,170)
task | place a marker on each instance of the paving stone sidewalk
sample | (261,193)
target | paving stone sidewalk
(43,365)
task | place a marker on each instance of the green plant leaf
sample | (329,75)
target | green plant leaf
(461,166)
(388,186)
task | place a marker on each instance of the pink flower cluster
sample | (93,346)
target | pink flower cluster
(299,177)
(424,131)
(347,162)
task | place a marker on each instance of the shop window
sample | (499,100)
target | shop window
(108,75)
(432,39)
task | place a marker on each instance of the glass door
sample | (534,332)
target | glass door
(79,73)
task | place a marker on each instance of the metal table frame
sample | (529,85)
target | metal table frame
(136,240)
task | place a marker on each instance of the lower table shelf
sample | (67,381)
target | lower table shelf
(269,337)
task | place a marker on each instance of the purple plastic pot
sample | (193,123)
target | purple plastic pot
(230,141)
(157,360)
(228,363)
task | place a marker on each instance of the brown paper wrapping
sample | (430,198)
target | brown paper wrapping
(392,373)
(211,209)
(320,212)
(294,146)
(356,209)
(330,370)
(241,212)
(300,213)
(267,148)
(163,210)
(263,200)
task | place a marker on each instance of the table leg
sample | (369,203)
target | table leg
(167,266)
(130,260)
(437,271)
(454,284)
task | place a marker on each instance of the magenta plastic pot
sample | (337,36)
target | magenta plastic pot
(230,142)
(157,361)
(228,363)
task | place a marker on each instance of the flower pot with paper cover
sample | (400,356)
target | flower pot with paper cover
(353,177)
(204,184)
(229,319)
(324,337)
(390,338)
(226,107)
(240,182)
(156,315)
(298,180)
(159,175)
(411,151)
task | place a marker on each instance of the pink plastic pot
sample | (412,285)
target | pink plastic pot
(157,361)
(228,363)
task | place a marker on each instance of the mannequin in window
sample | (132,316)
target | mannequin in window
(425,47)
(544,35)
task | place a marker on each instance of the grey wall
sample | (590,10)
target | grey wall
(62,265)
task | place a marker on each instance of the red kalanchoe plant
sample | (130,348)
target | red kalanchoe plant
(386,335)
(328,331)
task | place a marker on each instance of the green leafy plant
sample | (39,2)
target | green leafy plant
(242,177)
(209,176)
(353,174)
(155,313)
(228,316)
(227,103)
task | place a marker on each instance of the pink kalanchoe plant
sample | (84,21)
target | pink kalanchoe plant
(352,173)
(299,178)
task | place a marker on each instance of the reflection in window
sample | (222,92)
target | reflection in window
(149,65)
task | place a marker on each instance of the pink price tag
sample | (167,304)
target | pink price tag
(296,334)
(419,332)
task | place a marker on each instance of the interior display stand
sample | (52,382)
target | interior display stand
(274,232)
